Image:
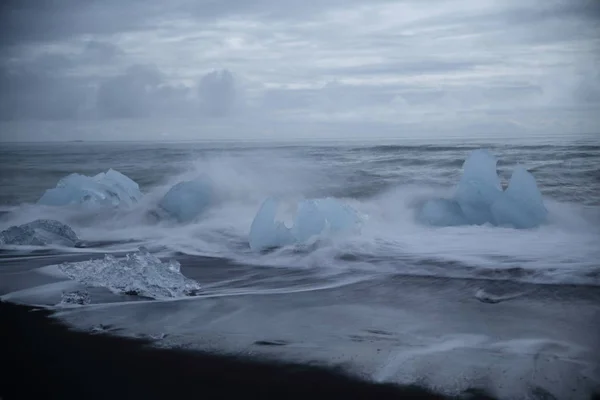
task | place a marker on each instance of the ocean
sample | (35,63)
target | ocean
(391,301)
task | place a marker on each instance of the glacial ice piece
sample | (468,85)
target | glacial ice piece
(186,200)
(265,231)
(314,217)
(109,188)
(479,198)
(140,273)
(478,187)
(78,297)
(318,216)
(442,212)
(521,205)
(40,232)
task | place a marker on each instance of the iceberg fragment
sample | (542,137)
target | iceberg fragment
(478,187)
(479,198)
(40,232)
(265,231)
(187,200)
(140,273)
(109,188)
(314,217)
(521,205)
(442,212)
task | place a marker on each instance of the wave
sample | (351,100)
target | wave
(564,250)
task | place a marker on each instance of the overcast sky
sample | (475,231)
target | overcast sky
(198,69)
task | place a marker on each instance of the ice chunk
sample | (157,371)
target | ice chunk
(478,187)
(479,198)
(314,217)
(309,221)
(339,216)
(105,189)
(442,212)
(40,232)
(318,216)
(265,231)
(140,273)
(79,297)
(187,200)
(521,205)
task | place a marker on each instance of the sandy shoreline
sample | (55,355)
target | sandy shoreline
(55,362)
(512,340)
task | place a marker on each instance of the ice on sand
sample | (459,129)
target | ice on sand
(187,200)
(40,232)
(314,217)
(110,188)
(479,198)
(140,273)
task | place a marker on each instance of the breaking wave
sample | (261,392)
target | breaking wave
(389,196)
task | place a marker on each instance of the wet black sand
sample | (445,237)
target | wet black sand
(44,359)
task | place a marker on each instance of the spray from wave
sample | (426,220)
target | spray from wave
(392,239)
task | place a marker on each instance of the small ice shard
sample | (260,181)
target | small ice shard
(187,200)
(105,189)
(265,231)
(521,205)
(77,297)
(314,217)
(478,187)
(140,273)
(40,232)
(442,212)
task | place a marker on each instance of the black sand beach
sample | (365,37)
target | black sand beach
(44,359)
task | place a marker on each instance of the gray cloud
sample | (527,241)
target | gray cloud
(217,93)
(330,65)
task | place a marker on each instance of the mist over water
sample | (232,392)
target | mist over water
(385,184)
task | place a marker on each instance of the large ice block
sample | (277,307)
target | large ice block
(105,189)
(265,231)
(442,212)
(314,217)
(187,200)
(479,198)
(478,187)
(521,205)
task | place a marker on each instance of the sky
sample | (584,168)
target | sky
(278,69)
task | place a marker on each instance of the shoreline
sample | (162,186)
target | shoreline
(62,363)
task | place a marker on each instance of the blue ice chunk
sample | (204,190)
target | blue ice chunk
(309,221)
(187,200)
(521,205)
(478,187)
(313,217)
(339,216)
(105,189)
(265,231)
(322,216)
(442,212)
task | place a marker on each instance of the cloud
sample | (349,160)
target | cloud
(217,93)
(324,66)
